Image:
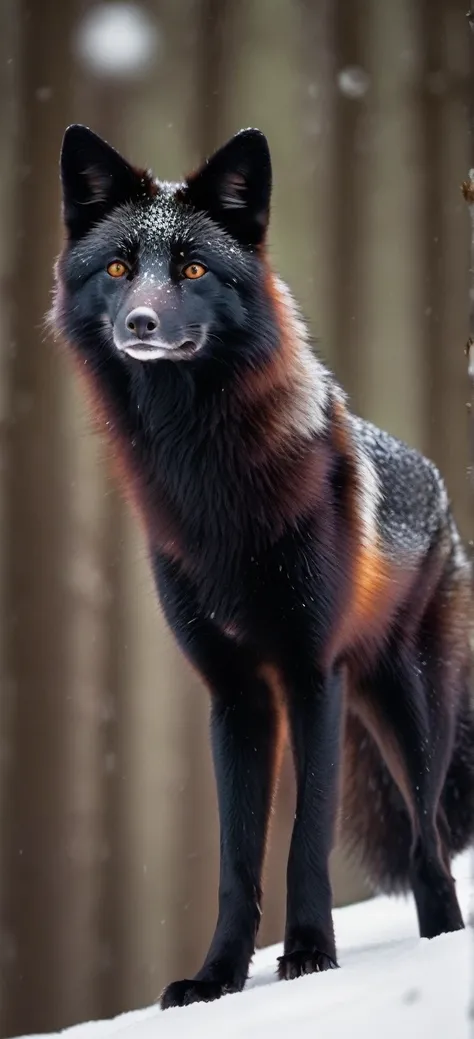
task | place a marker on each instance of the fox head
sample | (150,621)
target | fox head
(158,271)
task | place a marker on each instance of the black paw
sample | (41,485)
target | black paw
(295,964)
(182,993)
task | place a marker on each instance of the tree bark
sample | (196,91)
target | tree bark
(53,590)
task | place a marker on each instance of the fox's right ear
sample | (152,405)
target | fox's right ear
(95,179)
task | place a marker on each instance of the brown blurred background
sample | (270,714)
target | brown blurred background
(108,823)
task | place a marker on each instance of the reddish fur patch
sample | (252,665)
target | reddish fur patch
(268,397)
(377,586)
(261,384)
(377,589)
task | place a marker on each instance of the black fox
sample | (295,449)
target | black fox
(307,563)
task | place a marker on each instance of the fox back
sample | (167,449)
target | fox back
(307,563)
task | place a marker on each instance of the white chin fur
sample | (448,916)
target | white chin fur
(165,353)
(156,353)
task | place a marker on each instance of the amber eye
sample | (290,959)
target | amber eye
(194,270)
(117,269)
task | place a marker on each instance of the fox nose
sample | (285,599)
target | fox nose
(142,322)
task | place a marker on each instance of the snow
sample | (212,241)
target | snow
(117,39)
(392,985)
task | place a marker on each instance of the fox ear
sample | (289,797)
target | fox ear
(95,179)
(234,186)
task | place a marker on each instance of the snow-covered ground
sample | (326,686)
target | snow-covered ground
(392,985)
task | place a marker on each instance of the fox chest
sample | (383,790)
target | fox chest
(270,598)
(252,567)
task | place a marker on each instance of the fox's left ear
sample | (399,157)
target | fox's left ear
(234,187)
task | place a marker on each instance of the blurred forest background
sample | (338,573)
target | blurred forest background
(108,820)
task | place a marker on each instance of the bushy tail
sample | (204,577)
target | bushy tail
(374,822)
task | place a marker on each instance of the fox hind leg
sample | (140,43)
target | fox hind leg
(412,722)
